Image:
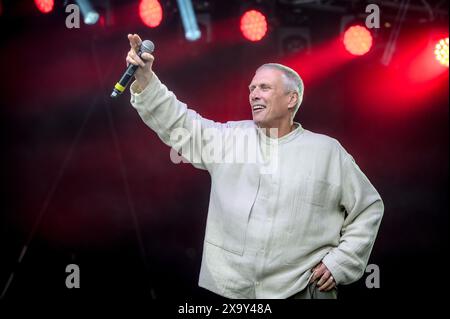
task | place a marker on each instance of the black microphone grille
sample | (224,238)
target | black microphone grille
(147,46)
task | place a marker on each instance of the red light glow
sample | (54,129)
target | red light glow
(45,6)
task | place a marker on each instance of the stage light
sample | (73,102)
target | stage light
(441,51)
(191,30)
(90,16)
(253,25)
(45,6)
(151,13)
(357,40)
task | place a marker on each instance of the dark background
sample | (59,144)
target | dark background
(84,180)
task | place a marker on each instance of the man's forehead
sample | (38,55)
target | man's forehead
(266,74)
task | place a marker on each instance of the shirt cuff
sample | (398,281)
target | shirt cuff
(138,95)
(334,268)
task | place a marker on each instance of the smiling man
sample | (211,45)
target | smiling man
(275,95)
(296,232)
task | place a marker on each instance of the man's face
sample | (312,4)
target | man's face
(268,98)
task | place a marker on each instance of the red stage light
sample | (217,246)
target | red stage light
(45,6)
(151,13)
(357,40)
(253,25)
(441,51)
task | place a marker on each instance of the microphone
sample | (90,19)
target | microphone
(147,46)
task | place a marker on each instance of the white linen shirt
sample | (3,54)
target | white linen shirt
(265,231)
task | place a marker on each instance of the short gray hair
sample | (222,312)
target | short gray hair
(293,81)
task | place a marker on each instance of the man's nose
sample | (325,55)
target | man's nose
(254,96)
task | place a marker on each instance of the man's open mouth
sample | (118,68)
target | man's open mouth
(258,107)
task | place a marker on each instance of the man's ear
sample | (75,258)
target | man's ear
(293,100)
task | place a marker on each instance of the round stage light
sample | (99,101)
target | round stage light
(253,25)
(357,40)
(441,51)
(45,6)
(151,13)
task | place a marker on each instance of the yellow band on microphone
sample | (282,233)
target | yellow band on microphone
(119,87)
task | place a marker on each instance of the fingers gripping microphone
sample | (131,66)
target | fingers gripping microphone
(147,46)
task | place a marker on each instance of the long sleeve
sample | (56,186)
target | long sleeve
(176,125)
(364,210)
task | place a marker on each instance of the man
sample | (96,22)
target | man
(298,230)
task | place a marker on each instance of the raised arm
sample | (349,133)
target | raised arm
(176,124)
